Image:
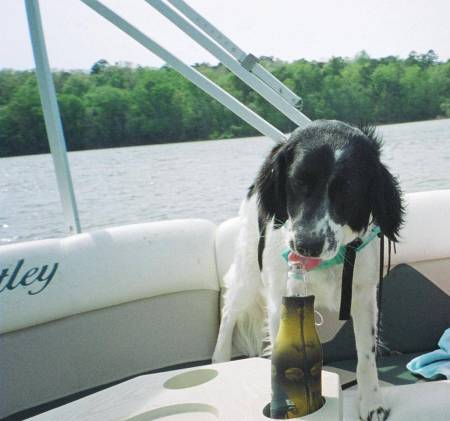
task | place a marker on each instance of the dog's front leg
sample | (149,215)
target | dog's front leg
(364,315)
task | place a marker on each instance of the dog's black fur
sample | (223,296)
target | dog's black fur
(356,186)
(321,190)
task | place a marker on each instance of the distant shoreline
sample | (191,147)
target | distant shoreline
(210,140)
(116,106)
(197,180)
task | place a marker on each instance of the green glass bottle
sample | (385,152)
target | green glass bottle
(296,361)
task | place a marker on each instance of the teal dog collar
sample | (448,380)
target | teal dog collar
(340,256)
(346,256)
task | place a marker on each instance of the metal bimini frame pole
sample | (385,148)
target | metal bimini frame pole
(244,65)
(191,74)
(248,61)
(232,64)
(52,118)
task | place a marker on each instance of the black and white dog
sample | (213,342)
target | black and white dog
(322,189)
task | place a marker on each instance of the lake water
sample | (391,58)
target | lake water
(184,180)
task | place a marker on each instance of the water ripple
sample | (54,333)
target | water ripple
(184,180)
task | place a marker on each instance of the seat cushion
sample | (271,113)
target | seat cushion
(414,314)
(415,311)
(51,279)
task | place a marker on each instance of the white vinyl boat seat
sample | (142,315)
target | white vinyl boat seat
(86,311)
(416,294)
(122,301)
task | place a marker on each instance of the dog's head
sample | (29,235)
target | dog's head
(325,185)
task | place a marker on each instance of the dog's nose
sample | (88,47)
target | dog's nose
(309,247)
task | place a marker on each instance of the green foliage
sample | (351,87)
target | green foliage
(106,110)
(119,105)
(22,130)
(73,115)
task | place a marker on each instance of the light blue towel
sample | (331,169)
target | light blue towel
(434,363)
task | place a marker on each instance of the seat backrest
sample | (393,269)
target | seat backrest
(94,308)
(424,245)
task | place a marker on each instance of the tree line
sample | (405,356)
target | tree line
(122,105)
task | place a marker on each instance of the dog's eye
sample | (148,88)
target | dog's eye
(300,184)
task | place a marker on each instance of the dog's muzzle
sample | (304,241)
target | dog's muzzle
(307,263)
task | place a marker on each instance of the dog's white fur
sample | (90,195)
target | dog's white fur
(253,294)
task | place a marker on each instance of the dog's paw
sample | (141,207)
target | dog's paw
(378,414)
(372,406)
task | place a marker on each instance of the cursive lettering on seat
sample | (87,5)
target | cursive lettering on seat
(31,277)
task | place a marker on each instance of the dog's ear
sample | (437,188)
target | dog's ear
(270,185)
(387,204)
